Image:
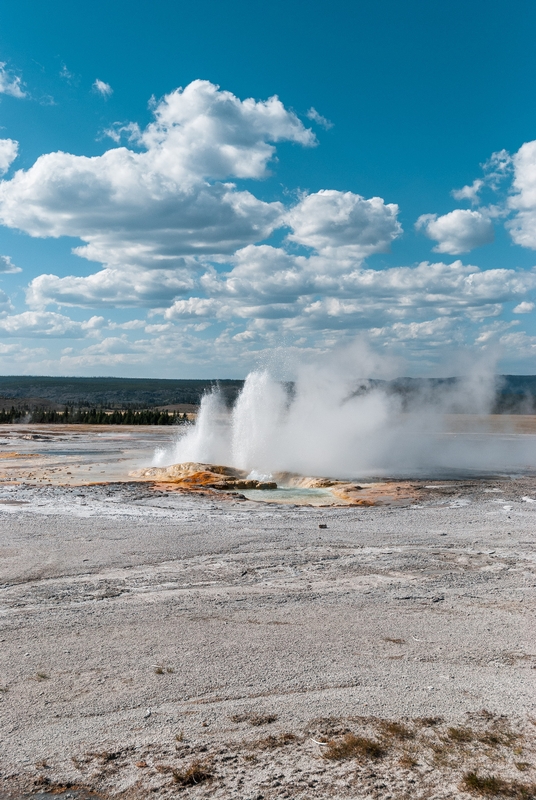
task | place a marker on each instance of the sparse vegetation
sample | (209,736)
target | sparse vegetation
(407,761)
(273,741)
(107,755)
(492,786)
(197,772)
(394,641)
(42,676)
(429,722)
(255,719)
(352,746)
(395,730)
(460,735)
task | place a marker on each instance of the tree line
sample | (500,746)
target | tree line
(92,416)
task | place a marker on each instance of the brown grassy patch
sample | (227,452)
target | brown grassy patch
(273,741)
(163,768)
(407,761)
(491,786)
(442,754)
(352,746)
(106,756)
(429,722)
(197,772)
(460,735)
(50,787)
(495,738)
(255,719)
(394,641)
(395,730)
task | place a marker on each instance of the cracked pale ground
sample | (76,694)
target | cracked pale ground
(158,644)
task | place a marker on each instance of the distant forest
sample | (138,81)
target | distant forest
(147,401)
(92,416)
(105,401)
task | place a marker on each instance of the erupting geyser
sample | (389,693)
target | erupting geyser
(327,426)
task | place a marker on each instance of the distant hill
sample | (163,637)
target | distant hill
(111,392)
(515,394)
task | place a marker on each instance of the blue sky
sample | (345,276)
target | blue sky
(161,216)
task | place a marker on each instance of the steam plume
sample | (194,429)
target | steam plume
(327,425)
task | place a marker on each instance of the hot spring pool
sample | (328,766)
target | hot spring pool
(293,496)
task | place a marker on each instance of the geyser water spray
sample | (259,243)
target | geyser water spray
(327,425)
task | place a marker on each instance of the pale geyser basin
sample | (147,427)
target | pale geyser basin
(75,455)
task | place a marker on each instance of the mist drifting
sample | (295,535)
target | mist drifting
(325,424)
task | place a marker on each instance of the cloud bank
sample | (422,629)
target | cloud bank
(217,271)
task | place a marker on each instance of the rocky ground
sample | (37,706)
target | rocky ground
(163,644)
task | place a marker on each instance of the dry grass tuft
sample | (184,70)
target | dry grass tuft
(255,719)
(352,746)
(429,722)
(42,676)
(495,738)
(163,768)
(407,761)
(106,756)
(273,741)
(50,787)
(394,641)
(197,772)
(460,735)
(395,730)
(491,786)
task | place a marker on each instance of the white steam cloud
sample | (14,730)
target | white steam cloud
(327,425)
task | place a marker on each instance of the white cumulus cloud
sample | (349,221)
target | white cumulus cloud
(9,150)
(330,221)
(523,201)
(158,208)
(192,308)
(36,324)
(469,192)
(102,88)
(314,116)
(110,287)
(458,231)
(9,83)
(524,308)
(7,265)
